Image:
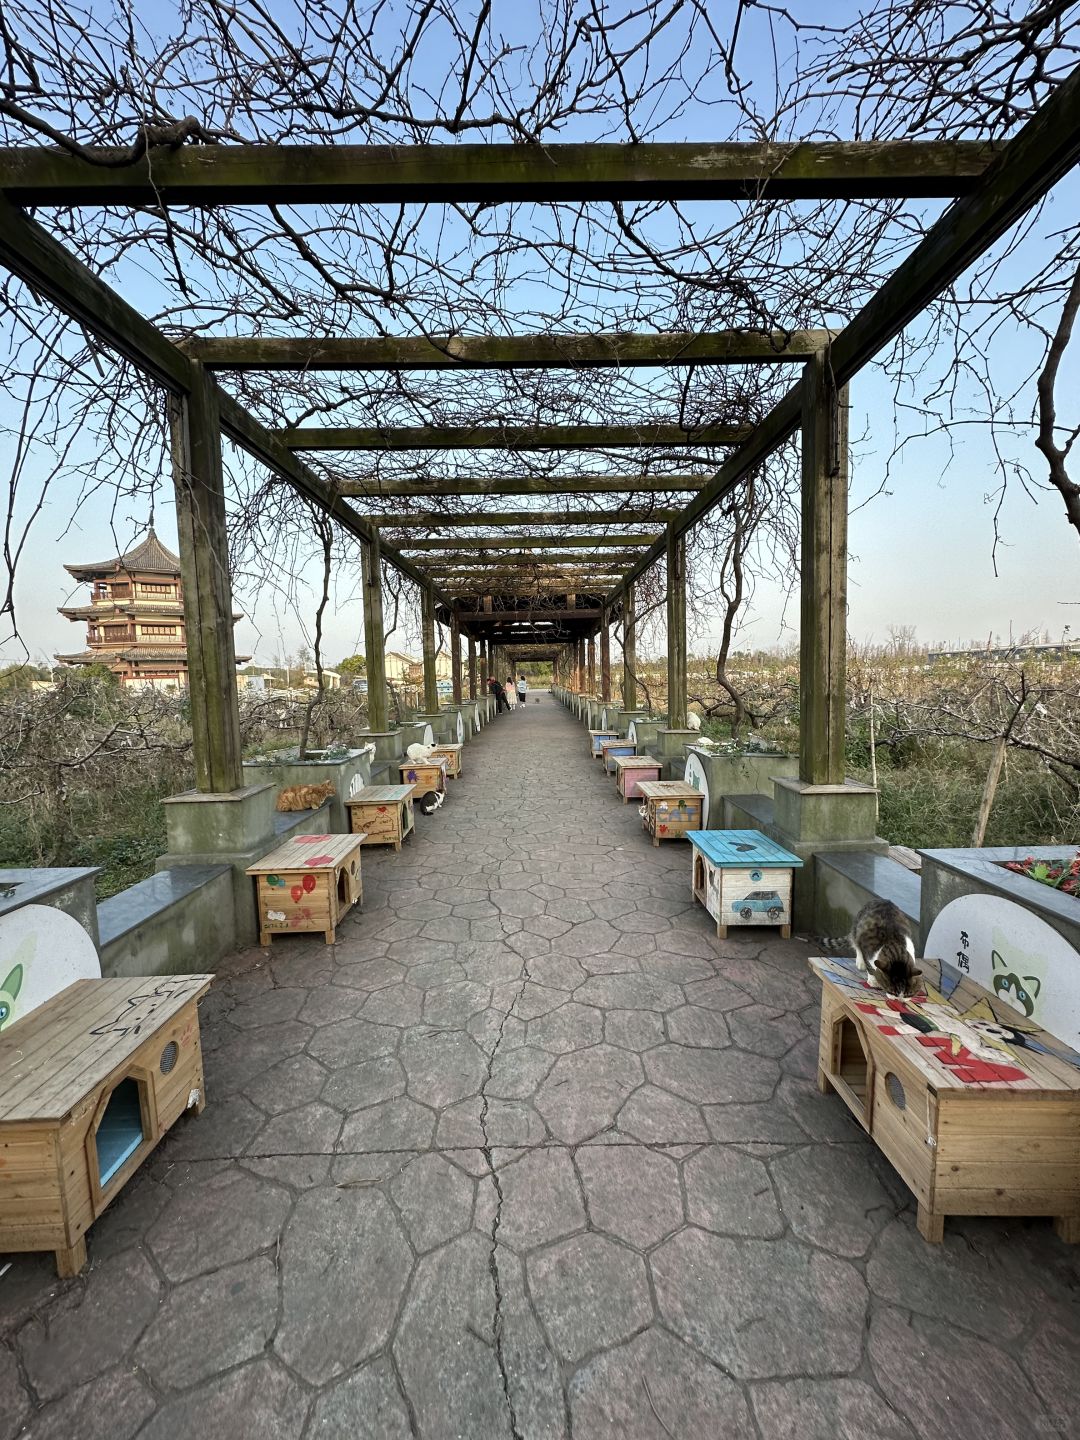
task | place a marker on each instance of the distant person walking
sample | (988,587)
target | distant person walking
(510,691)
(523,690)
(501,702)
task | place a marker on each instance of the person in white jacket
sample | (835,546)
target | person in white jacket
(522,691)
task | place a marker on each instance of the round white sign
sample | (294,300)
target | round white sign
(476,718)
(603,719)
(42,951)
(1016,956)
(429,736)
(631,734)
(460,727)
(694,775)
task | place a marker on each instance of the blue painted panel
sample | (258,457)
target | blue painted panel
(120,1132)
(743,848)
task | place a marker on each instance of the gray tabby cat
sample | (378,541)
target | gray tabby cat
(884,949)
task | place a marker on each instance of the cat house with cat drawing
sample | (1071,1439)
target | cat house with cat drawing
(308,885)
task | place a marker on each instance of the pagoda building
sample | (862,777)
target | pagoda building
(135,618)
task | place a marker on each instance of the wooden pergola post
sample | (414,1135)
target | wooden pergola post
(629,651)
(427,629)
(676,630)
(374,640)
(485,672)
(204,566)
(590,664)
(605,659)
(823,605)
(472,667)
(455,656)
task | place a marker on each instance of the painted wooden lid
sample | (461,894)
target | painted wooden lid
(307,852)
(741,847)
(633,762)
(668,790)
(381,795)
(67,1047)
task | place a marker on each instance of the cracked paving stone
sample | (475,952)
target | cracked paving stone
(712,1077)
(695,1026)
(632,1193)
(532,1370)
(730,1193)
(113,1407)
(516,1073)
(629,992)
(493,1027)
(344,1268)
(92,1326)
(14,1401)
(396,1005)
(435,1199)
(971,1387)
(585,1091)
(653,1388)
(589,1293)
(456,1003)
(445,1346)
(541,1200)
(299,1172)
(355,1087)
(905,1271)
(716,994)
(211,1324)
(434,974)
(634,1029)
(766,1123)
(222,1129)
(592,937)
(657,1118)
(272,1007)
(259,1399)
(366,1406)
(369,975)
(570,1027)
(825,1410)
(330,1003)
(529,1001)
(559,972)
(509,1123)
(312,1129)
(399,1124)
(832,1197)
(212,1222)
(761,1308)
(347,1041)
(291,1083)
(1050,1359)
(442,1067)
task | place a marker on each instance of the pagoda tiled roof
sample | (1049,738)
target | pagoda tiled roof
(149,557)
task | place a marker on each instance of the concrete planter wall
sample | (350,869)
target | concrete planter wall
(347,774)
(948,874)
(747,774)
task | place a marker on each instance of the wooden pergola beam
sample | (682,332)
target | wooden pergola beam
(1028,166)
(511,437)
(31,253)
(521,485)
(528,542)
(436,520)
(505,352)
(450,174)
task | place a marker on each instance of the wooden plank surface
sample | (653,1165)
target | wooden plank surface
(307,852)
(74,1041)
(381,795)
(668,790)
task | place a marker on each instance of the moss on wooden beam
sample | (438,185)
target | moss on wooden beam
(434,174)
(505,352)
(511,437)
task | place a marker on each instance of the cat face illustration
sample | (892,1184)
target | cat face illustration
(9,993)
(1021,991)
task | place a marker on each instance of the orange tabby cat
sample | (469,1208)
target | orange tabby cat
(304,797)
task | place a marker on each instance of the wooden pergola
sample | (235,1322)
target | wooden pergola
(522,588)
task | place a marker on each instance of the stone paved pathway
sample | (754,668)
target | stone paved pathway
(531,1153)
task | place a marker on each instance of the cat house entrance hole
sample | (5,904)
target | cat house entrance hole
(120,1130)
(699,875)
(851,1066)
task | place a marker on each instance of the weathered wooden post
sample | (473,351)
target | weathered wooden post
(374,640)
(676,630)
(823,605)
(605,658)
(455,655)
(204,566)
(590,665)
(472,667)
(579,666)
(427,631)
(485,671)
(629,651)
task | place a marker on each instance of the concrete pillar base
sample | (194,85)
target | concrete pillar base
(670,747)
(825,812)
(443,723)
